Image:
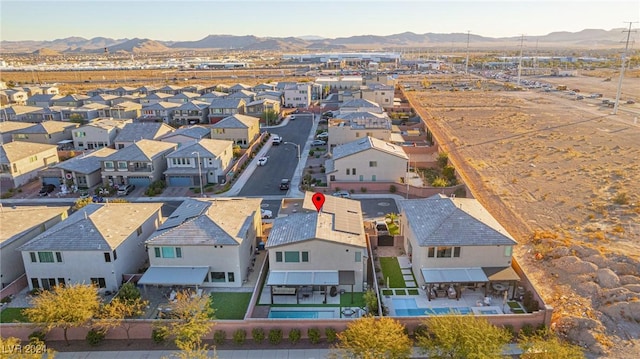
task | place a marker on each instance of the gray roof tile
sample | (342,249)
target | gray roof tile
(86,164)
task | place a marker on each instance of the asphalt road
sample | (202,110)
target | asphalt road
(282,160)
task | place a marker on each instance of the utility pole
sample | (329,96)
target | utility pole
(520,62)
(466,63)
(622,60)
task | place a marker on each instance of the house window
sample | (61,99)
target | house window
(122,165)
(278,256)
(332,178)
(508,251)
(231,277)
(99,282)
(139,230)
(292,257)
(107,257)
(115,255)
(45,257)
(33,257)
(61,282)
(353,171)
(108,165)
(448,252)
(456,252)
(358,256)
(305,256)
(373,163)
(35,283)
(178,252)
(348,171)
(431,252)
(217,277)
(157,251)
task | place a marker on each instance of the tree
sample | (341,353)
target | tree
(77,118)
(82,202)
(372,338)
(462,337)
(12,348)
(547,345)
(191,323)
(269,117)
(64,307)
(371,301)
(117,311)
(443,159)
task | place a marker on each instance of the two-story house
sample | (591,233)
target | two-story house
(170,89)
(97,134)
(146,90)
(367,160)
(187,134)
(84,171)
(455,241)
(183,97)
(246,95)
(13,96)
(21,161)
(350,126)
(8,128)
(42,100)
(154,98)
(319,249)
(122,110)
(378,93)
(223,107)
(192,112)
(88,248)
(203,245)
(48,132)
(158,112)
(73,100)
(139,164)
(240,129)
(360,105)
(209,96)
(18,113)
(298,95)
(258,107)
(103,99)
(137,131)
(183,168)
(239,87)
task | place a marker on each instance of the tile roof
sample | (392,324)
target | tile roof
(208,222)
(91,228)
(162,105)
(143,150)
(20,110)
(49,127)
(226,102)
(236,121)
(441,220)
(10,126)
(193,105)
(185,95)
(242,94)
(17,221)
(43,97)
(239,86)
(87,163)
(194,131)
(106,123)
(17,150)
(142,130)
(205,147)
(339,220)
(367,143)
(359,103)
(158,96)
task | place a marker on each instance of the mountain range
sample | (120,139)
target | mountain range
(589,38)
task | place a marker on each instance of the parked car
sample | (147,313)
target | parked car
(381,227)
(343,194)
(284,184)
(631,102)
(125,190)
(318,143)
(322,136)
(265,213)
(292,117)
(46,189)
(262,161)
(579,97)
(277,140)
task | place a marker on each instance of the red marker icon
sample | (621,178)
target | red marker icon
(318,200)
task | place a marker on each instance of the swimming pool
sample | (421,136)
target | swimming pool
(408,308)
(301,314)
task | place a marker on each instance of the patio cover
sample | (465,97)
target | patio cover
(293,278)
(347,277)
(500,274)
(454,275)
(174,276)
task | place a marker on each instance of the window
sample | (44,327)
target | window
(431,252)
(99,282)
(456,252)
(122,165)
(157,250)
(107,257)
(108,165)
(45,257)
(35,283)
(178,252)
(115,255)
(139,230)
(292,257)
(332,178)
(373,163)
(508,251)
(348,171)
(357,134)
(168,252)
(445,252)
(353,171)
(33,257)
(278,256)
(61,282)
(217,277)
(305,256)
(80,134)
(231,277)
(358,256)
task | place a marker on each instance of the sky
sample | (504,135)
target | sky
(194,20)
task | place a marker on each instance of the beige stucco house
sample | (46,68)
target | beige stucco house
(367,160)
(348,127)
(205,243)
(184,170)
(136,131)
(139,164)
(21,161)
(47,132)
(97,134)
(240,129)
(83,171)
(8,128)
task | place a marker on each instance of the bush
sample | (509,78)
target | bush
(530,304)
(37,335)
(275,336)
(159,334)
(314,335)
(129,292)
(239,336)
(95,337)
(331,334)
(219,337)
(421,330)
(527,330)
(393,189)
(311,153)
(155,188)
(257,334)
(510,329)
(294,336)
(363,189)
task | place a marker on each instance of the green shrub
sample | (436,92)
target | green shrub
(37,335)
(257,334)
(363,189)
(159,334)
(311,153)
(541,329)
(421,330)
(510,329)
(314,335)
(95,337)
(393,189)
(275,336)
(6,299)
(527,330)
(294,336)
(129,292)
(331,334)
(239,336)
(219,337)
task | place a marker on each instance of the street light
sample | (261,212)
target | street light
(199,172)
(295,144)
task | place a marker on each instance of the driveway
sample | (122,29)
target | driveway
(282,162)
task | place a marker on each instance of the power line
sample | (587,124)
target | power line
(623,58)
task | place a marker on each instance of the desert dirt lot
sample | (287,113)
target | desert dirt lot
(563,176)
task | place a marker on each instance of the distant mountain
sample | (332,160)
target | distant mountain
(585,38)
(46,52)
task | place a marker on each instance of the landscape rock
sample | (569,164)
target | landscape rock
(599,260)
(575,265)
(632,287)
(618,295)
(559,252)
(588,289)
(624,268)
(584,252)
(629,279)
(607,278)
(629,311)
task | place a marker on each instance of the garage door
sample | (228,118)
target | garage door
(180,181)
(51,180)
(385,241)
(139,181)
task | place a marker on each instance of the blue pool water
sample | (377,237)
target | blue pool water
(300,314)
(408,308)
